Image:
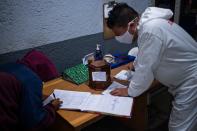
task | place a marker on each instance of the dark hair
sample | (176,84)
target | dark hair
(121,15)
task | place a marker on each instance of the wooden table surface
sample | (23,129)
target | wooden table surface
(76,120)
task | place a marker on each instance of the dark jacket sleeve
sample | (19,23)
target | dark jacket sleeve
(10,96)
(48,119)
(32,114)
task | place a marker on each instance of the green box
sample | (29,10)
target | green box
(77,74)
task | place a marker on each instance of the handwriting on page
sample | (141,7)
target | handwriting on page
(109,104)
(113,105)
(85,101)
(70,99)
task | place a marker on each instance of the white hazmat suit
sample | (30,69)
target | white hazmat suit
(168,54)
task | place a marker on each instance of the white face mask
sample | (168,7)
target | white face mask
(126,38)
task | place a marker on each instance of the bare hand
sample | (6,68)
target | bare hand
(56,103)
(130,66)
(120,92)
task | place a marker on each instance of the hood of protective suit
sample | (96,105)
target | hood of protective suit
(154,12)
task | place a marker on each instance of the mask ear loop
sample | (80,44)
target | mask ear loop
(132,22)
(136,27)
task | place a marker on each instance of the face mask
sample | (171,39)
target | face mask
(126,38)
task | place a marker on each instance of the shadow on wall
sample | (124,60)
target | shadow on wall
(70,52)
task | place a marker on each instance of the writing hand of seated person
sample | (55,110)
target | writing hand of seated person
(120,92)
(56,103)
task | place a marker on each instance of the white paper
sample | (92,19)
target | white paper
(48,100)
(99,76)
(71,99)
(124,75)
(85,101)
(108,104)
(113,86)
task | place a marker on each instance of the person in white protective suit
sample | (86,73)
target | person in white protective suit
(166,53)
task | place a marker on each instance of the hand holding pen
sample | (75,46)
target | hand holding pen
(56,102)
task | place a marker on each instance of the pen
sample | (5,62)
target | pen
(54,95)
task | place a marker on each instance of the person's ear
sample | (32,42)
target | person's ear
(132,28)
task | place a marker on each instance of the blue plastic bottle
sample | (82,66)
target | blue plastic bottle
(98,53)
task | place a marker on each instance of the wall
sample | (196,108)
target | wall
(70,52)
(31,23)
(65,30)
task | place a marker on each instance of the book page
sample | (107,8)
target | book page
(71,99)
(108,104)
(113,86)
(124,75)
(48,100)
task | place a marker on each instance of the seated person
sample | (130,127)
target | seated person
(21,105)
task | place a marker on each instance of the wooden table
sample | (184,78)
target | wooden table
(72,120)
(76,120)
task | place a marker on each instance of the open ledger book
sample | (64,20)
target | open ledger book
(85,101)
